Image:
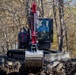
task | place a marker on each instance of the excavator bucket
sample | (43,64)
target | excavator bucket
(34,59)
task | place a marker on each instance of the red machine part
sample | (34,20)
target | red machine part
(33,27)
(34,37)
(33,7)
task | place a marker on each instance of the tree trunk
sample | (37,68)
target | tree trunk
(55,19)
(61,18)
(42,8)
(27,10)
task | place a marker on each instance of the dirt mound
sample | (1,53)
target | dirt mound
(69,69)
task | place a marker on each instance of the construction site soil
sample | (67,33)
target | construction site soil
(69,68)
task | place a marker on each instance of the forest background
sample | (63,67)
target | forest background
(14,15)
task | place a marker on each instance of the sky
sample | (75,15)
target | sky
(73,2)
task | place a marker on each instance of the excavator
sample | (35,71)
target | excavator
(34,43)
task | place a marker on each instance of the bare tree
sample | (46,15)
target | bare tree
(42,8)
(63,29)
(55,18)
(61,17)
(27,9)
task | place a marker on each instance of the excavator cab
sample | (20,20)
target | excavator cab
(45,33)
